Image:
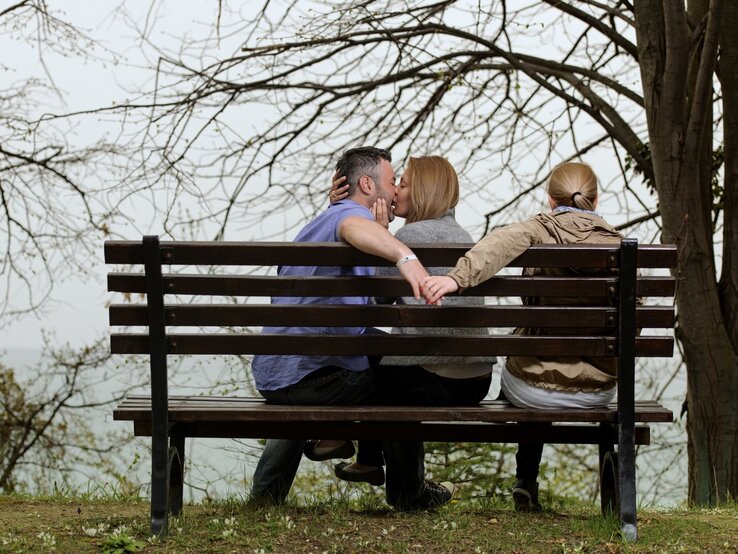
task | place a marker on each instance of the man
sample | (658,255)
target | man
(325,380)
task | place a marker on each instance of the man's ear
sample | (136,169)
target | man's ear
(366,185)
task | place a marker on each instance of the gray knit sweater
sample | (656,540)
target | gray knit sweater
(441,229)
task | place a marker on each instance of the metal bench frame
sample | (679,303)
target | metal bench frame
(169,420)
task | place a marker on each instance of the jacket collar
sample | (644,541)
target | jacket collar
(573,209)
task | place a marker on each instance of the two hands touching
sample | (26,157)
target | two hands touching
(436,286)
(432,288)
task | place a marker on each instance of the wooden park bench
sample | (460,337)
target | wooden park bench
(169,420)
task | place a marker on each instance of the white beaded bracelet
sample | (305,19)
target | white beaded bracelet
(406,259)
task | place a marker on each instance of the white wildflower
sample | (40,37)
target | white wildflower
(48,540)
(96,531)
(287,520)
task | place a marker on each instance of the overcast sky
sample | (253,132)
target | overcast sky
(117,69)
(113,71)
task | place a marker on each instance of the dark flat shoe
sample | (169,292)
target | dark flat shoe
(348,472)
(313,451)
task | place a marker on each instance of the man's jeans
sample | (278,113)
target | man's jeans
(327,386)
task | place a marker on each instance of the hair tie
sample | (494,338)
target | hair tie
(573,196)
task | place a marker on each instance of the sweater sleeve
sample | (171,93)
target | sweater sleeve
(495,251)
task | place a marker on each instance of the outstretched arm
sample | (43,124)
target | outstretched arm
(488,256)
(495,251)
(370,237)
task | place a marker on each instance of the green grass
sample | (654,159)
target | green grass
(90,523)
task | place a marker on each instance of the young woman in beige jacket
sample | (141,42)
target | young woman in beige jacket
(543,383)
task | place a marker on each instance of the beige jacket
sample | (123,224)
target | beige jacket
(500,247)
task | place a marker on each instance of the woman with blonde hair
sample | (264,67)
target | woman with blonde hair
(426,196)
(544,383)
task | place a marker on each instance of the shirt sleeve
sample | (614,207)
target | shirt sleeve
(349,210)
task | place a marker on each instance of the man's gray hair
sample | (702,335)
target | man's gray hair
(356,162)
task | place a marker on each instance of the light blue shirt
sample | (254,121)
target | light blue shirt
(574,209)
(273,372)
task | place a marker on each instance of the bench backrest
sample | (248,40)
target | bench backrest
(610,305)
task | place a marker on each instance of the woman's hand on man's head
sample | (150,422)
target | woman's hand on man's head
(339,191)
(380,211)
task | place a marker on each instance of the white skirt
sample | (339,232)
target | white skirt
(521,394)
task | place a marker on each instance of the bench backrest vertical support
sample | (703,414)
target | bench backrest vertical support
(626,387)
(159,394)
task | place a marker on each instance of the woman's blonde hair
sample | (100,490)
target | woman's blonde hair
(434,188)
(573,184)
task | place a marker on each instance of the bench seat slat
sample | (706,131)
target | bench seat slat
(182,408)
(272,285)
(389,316)
(380,431)
(432,255)
(351,345)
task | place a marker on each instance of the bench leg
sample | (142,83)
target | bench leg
(609,498)
(626,393)
(176,473)
(159,397)
(159,485)
(609,494)
(627,484)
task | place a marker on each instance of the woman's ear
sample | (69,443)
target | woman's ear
(552,202)
(594,203)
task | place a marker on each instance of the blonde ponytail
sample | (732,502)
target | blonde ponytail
(573,184)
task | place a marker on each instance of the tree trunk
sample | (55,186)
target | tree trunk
(677,73)
(728,73)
